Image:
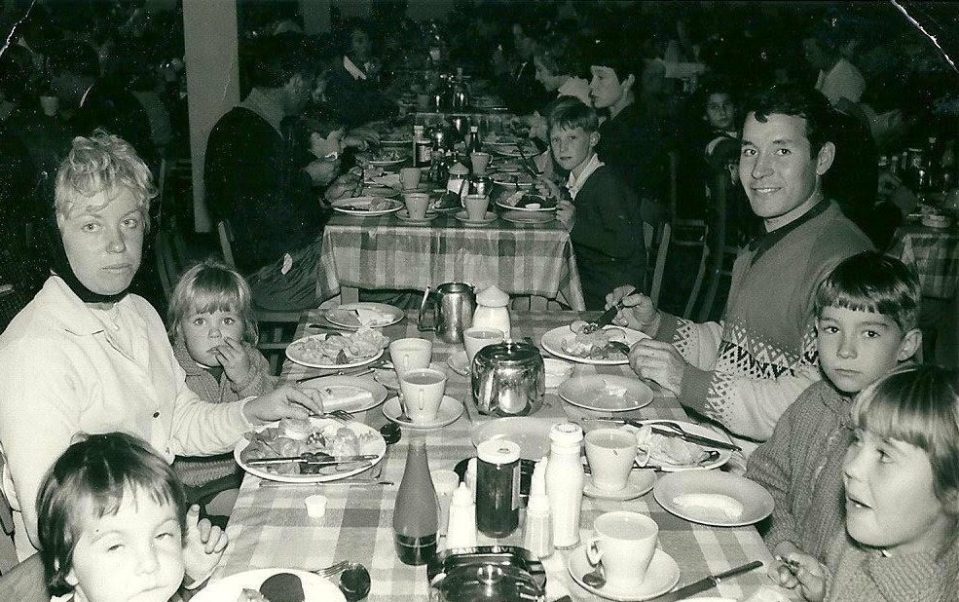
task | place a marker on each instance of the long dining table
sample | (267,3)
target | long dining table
(270,527)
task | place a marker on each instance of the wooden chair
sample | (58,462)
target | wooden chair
(719,256)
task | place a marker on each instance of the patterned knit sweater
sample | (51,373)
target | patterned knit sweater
(801,466)
(745,371)
(867,575)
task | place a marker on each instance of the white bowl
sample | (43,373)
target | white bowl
(557,371)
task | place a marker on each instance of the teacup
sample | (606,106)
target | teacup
(410,354)
(422,390)
(625,543)
(416,204)
(476,205)
(410,177)
(610,453)
(475,339)
(479,162)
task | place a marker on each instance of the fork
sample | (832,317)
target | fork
(333,569)
(341,415)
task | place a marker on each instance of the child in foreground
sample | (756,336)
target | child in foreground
(901,479)
(113,525)
(867,311)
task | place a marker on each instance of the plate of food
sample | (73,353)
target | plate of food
(269,585)
(388,157)
(672,454)
(366,206)
(606,393)
(513,149)
(715,498)
(364,314)
(380,191)
(334,350)
(522,201)
(593,348)
(347,393)
(521,179)
(320,436)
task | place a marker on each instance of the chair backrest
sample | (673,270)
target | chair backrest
(657,282)
(226,242)
(720,254)
(167,267)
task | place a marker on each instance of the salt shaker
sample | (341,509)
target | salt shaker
(538,534)
(461,531)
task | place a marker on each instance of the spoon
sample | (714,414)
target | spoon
(403,417)
(597,577)
(355,582)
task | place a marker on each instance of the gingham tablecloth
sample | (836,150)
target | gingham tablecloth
(385,253)
(935,253)
(270,527)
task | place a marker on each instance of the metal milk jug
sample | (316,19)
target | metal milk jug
(448,311)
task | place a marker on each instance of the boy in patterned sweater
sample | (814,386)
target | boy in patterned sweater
(745,371)
(867,312)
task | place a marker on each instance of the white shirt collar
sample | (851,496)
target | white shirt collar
(353,70)
(574,185)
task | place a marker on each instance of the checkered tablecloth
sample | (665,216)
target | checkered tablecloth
(935,253)
(270,527)
(385,253)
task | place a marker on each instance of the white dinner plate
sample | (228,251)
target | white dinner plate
(459,363)
(371,315)
(529,432)
(373,445)
(639,482)
(228,589)
(661,576)
(295,353)
(360,206)
(552,341)
(347,393)
(693,429)
(506,178)
(529,217)
(449,412)
(526,209)
(380,191)
(404,216)
(606,392)
(387,162)
(396,141)
(512,149)
(756,502)
(464,217)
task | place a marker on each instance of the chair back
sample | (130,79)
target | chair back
(25,582)
(167,268)
(720,255)
(225,234)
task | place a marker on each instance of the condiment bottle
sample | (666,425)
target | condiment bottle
(415,512)
(564,482)
(538,533)
(461,531)
(497,487)
(458,182)
(491,310)
(422,147)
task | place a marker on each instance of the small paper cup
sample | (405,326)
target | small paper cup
(316,506)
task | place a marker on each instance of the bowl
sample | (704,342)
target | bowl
(557,371)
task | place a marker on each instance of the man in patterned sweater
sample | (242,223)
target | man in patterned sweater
(745,371)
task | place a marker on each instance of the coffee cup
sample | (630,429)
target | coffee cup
(479,161)
(422,390)
(416,204)
(476,338)
(625,543)
(410,354)
(610,453)
(410,177)
(476,205)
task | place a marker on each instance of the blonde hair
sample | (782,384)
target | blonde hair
(207,287)
(102,163)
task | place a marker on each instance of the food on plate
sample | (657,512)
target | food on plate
(711,506)
(360,316)
(522,200)
(251,595)
(447,200)
(334,350)
(340,397)
(292,437)
(523,179)
(283,587)
(594,345)
(662,449)
(389,154)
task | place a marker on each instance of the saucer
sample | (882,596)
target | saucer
(662,576)
(449,411)
(404,216)
(639,483)
(459,363)
(463,216)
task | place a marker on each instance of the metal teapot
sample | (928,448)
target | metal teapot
(508,379)
(451,311)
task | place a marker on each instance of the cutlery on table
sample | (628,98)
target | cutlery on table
(669,429)
(264,484)
(605,319)
(707,583)
(313,459)
(597,577)
(357,372)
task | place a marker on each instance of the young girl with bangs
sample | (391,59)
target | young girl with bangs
(901,479)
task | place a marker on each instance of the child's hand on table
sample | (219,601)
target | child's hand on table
(234,359)
(203,546)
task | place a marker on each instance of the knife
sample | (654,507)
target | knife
(706,583)
(311,459)
(697,439)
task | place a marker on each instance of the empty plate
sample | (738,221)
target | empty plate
(530,433)
(606,393)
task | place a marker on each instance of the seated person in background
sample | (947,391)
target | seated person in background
(554,70)
(867,312)
(606,216)
(901,487)
(746,370)
(519,87)
(352,89)
(114,525)
(839,80)
(214,333)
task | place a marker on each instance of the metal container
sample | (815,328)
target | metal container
(508,379)
(486,573)
(481,185)
(448,311)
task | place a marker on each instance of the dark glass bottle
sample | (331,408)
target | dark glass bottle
(415,513)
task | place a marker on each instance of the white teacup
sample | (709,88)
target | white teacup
(410,354)
(479,162)
(476,205)
(416,204)
(476,338)
(423,390)
(410,177)
(610,452)
(625,542)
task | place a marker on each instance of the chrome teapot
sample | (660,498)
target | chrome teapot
(508,379)
(451,310)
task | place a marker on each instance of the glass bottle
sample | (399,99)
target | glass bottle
(415,514)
